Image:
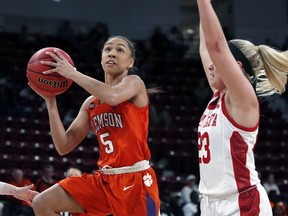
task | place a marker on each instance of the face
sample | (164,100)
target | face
(48,172)
(18,175)
(73,172)
(215,80)
(116,57)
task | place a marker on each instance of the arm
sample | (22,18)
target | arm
(205,58)
(21,193)
(241,99)
(130,88)
(66,141)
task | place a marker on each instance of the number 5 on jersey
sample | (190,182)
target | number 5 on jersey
(109,148)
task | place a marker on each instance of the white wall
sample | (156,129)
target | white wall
(133,18)
(258,19)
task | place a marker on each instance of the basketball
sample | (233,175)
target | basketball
(47,84)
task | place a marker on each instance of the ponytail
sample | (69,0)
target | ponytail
(269,66)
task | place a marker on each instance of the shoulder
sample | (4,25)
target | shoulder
(134,78)
(88,101)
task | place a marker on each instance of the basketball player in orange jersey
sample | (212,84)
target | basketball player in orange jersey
(237,72)
(117,112)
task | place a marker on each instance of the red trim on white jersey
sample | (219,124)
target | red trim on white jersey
(232,120)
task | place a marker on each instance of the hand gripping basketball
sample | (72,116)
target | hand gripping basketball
(51,83)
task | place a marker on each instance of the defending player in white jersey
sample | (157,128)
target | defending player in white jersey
(237,72)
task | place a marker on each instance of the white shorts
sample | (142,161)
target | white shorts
(253,202)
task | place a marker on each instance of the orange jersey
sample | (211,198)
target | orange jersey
(121,131)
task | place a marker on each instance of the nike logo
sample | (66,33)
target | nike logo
(126,188)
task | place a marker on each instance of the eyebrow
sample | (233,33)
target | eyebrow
(120,44)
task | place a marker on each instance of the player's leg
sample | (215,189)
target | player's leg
(53,201)
(135,194)
(152,195)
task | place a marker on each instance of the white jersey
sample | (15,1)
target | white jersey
(226,158)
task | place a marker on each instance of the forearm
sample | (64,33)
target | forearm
(210,23)
(7,189)
(205,57)
(202,46)
(98,89)
(57,129)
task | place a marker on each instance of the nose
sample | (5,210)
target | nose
(111,54)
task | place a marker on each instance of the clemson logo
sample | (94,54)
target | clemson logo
(147,180)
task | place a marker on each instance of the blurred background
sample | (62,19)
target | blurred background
(166,37)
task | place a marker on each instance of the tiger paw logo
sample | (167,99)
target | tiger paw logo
(147,180)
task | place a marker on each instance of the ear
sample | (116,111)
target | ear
(131,63)
(240,64)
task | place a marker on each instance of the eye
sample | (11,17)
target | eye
(107,49)
(120,50)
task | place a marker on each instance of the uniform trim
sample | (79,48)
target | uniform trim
(248,129)
(239,149)
(137,167)
(151,206)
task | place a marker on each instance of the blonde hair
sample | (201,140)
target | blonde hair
(269,65)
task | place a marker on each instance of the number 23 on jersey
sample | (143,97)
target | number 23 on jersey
(203,148)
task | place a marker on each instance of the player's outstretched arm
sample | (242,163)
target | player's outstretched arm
(22,193)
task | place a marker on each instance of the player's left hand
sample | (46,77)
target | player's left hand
(61,65)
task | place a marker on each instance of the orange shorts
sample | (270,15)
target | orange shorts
(120,194)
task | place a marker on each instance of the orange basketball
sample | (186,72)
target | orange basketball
(47,84)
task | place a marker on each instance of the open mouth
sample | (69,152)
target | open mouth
(110,62)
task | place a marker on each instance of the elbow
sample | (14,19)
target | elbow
(113,100)
(62,151)
(216,45)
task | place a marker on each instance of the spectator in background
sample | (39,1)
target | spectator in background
(192,208)
(24,37)
(46,179)
(178,45)
(159,42)
(187,189)
(159,117)
(98,36)
(73,171)
(66,34)
(16,206)
(279,209)
(69,116)
(202,93)
(270,185)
